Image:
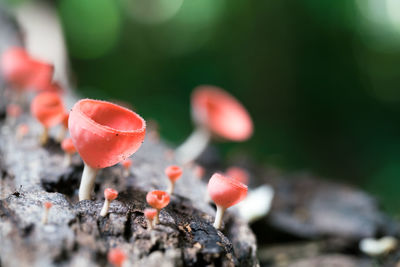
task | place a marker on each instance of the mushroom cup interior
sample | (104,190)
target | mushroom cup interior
(112,116)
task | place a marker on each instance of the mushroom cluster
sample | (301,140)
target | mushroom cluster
(105,134)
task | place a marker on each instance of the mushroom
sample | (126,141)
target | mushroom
(157,199)
(22,130)
(225,192)
(68,146)
(238,173)
(48,109)
(214,112)
(126,164)
(103,134)
(116,257)
(174,173)
(47,206)
(15,67)
(24,72)
(150,214)
(13,112)
(109,195)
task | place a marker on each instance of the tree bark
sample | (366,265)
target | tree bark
(75,234)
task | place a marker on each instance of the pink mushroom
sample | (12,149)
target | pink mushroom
(16,68)
(174,173)
(47,206)
(69,149)
(225,192)
(126,164)
(103,134)
(150,214)
(116,257)
(13,112)
(48,109)
(158,199)
(214,112)
(109,195)
(22,130)
(24,72)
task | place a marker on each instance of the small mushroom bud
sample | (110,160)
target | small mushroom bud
(109,195)
(157,199)
(127,163)
(48,109)
(47,206)
(68,146)
(104,134)
(22,130)
(174,173)
(225,192)
(150,214)
(199,171)
(238,173)
(116,257)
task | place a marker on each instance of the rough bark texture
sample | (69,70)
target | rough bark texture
(76,235)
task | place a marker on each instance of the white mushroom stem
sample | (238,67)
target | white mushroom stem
(219,216)
(171,187)
(45,216)
(157,218)
(105,208)
(45,136)
(125,172)
(87,182)
(193,146)
(67,159)
(150,224)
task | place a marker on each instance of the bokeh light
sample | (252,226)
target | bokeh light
(92,27)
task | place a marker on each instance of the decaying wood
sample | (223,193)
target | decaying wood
(75,234)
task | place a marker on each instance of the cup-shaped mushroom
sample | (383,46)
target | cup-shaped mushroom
(116,257)
(109,195)
(48,109)
(104,134)
(215,113)
(174,173)
(225,192)
(157,199)
(15,67)
(150,214)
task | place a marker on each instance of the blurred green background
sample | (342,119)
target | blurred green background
(320,78)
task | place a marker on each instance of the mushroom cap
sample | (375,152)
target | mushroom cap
(157,199)
(221,113)
(226,192)
(42,75)
(14,110)
(110,194)
(68,146)
(104,133)
(238,173)
(173,172)
(15,66)
(116,257)
(47,205)
(126,163)
(48,108)
(150,213)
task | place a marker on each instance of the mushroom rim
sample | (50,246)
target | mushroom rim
(105,127)
(231,181)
